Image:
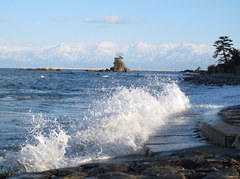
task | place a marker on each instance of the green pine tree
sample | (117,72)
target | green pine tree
(223,49)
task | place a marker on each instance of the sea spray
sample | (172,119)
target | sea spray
(49,152)
(121,122)
(117,124)
(45,148)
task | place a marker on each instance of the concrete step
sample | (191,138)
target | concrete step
(218,131)
(173,137)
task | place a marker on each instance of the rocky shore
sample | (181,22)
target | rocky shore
(213,79)
(203,162)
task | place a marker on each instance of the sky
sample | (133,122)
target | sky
(35,24)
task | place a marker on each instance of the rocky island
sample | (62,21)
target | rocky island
(118,66)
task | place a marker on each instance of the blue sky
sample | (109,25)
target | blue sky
(35,23)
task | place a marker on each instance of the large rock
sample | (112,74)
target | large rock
(119,65)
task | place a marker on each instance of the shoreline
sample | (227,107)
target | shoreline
(213,79)
(91,69)
(97,69)
(206,161)
(198,162)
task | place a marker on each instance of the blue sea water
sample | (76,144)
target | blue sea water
(51,119)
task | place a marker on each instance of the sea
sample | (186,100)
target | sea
(55,119)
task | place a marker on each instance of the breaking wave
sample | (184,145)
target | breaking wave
(116,125)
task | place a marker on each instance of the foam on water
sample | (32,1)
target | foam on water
(118,124)
(45,149)
(124,121)
(210,106)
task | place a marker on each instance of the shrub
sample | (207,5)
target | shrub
(211,68)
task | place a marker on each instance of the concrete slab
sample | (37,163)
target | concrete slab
(156,149)
(175,130)
(173,137)
(156,140)
(217,130)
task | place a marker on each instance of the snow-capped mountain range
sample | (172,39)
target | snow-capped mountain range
(101,55)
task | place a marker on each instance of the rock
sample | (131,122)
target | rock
(118,175)
(139,166)
(92,165)
(189,162)
(76,175)
(68,171)
(30,176)
(107,168)
(188,71)
(196,175)
(226,173)
(162,171)
(118,66)
(53,172)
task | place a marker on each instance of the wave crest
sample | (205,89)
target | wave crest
(118,124)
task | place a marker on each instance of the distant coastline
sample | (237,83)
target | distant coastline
(218,79)
(97,69)
(88,69)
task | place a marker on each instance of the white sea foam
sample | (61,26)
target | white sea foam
(123,122)
(46,149)
(210,106)
(47,153)
(118,124)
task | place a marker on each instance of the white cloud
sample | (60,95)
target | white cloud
(113,19)
(101,55)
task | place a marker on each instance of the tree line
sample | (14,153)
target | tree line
(228,57)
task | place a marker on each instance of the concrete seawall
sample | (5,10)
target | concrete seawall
(180,137)
(175,137)
(218,131)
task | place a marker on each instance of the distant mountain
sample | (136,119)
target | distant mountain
(136,55)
